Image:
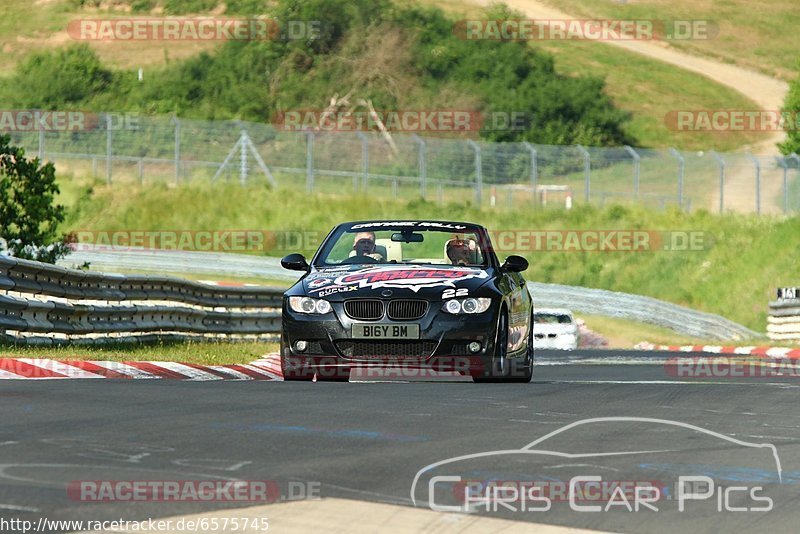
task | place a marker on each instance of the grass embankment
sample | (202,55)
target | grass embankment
(761,36)
(733,272)
(191,352)
(648,89)
(625,334)
(645,88)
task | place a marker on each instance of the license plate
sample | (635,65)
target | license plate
(385,331)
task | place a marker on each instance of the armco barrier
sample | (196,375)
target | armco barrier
(42,303)
(639,308)
(580,299)
(783,322)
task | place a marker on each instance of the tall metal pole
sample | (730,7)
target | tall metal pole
(636,168)
(310,162)
(109,148)
(478,172)
(41,142)
(534,170)
(364,160)
(243,170)
(587,172)
(757,166)
(177,172)
(781,161)
(721,163)
(422,148)
(681,174)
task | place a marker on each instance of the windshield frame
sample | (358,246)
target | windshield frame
(490,259)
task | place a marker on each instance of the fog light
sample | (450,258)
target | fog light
(474,347)
(300,346)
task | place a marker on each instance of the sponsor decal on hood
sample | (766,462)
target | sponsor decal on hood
(408,277)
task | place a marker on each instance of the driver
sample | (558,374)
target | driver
(364,245)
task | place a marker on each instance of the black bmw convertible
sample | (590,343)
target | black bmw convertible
(411,294)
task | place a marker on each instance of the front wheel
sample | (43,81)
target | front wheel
(503,368)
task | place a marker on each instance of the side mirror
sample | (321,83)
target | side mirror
(514,264)
(295,262)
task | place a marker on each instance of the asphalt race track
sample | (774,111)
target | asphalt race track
(368,441)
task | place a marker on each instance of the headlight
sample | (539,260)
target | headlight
(470,305)
(309,305)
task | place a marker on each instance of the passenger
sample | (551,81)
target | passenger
(461,251)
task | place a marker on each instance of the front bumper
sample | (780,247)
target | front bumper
(442,344)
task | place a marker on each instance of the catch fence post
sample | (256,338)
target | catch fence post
(636,168)
(478,172)
(534,170)
(587,172)
(721,163)
(681,174)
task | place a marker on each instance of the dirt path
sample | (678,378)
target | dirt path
(767,93)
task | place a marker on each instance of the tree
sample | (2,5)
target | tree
(792,106)
(29,217)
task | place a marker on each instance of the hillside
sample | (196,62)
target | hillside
(644,90)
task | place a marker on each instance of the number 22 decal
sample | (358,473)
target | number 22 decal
(450,293)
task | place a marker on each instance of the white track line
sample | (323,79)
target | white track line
(18,508)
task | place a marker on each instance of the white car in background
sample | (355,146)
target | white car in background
(554,328)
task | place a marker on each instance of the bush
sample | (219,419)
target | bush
(59,80)
(398,57)
(792,105)
(28,216)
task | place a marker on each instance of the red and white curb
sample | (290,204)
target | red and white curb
(763,352)
(35,368)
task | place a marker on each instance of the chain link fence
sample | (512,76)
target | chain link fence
(159,149)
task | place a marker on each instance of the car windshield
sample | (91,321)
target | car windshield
(551,318)
(404,245)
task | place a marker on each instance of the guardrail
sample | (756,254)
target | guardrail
(640,308)
(42,303)
(783,322)
(40,279)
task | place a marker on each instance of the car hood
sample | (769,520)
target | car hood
(396,281)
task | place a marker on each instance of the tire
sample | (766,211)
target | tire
(498,368)
(524,376)
(502,369)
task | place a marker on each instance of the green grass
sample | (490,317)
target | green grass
(191,352)
(650,89)
(27,28)
(761,35)
(624,334)
(742,259)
